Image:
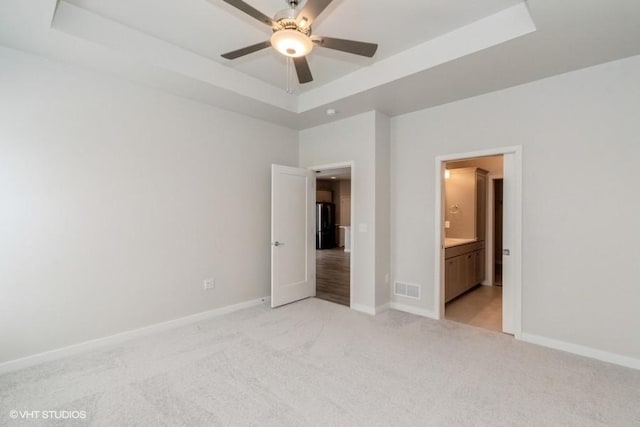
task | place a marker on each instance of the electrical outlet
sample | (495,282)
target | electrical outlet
(209,283)
(447,224)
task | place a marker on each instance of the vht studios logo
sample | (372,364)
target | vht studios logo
(47,415)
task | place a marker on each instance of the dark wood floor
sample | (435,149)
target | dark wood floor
(332,275)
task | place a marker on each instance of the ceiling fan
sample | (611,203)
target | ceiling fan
(292,35)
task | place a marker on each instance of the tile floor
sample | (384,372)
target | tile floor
(480,306)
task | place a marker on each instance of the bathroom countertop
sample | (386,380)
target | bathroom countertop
(450,242)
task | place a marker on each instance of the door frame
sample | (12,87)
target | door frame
(516,247)
(346,164)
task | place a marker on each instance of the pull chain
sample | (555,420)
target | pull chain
(290,76)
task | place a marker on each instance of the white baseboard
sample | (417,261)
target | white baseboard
(36,359)
(413,310)
(382,308)
(370,310)
(581,350)
(363,309)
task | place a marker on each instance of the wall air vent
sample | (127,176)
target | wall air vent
(407,290)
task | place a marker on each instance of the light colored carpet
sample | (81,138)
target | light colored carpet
(317,363)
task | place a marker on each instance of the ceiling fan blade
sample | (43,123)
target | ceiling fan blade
(311,10)
(253,12)
(303,70)
(247,50)
(349,46)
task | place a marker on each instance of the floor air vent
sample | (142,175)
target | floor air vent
(407,290)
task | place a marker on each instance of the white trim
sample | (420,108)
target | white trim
(413,310)
(517,246)
(438,266)
(352,165)
(582,350)
(71,350)
(517,263)
(382,308)
(363,308)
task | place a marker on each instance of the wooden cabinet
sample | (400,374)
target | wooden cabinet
(480,267)
(324,196)
(453,277)
(464,268)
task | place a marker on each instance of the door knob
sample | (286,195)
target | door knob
(278,244)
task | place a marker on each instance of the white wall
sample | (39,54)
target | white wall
(351,139)
(363,139)
(116,202)
(581,209)
(383,210)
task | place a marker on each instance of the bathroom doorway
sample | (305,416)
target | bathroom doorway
(511,237)
(333,234)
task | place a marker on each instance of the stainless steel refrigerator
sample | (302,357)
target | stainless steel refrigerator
(325,225)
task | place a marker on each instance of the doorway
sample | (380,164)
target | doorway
(469,252)
(471,295)
(333,234)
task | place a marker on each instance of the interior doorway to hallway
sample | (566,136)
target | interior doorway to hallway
(333,234)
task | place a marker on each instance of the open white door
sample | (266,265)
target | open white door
(293,265)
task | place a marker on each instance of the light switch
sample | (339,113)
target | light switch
(363,228)
(447,224)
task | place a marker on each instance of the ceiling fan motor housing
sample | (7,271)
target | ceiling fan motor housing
(286,19)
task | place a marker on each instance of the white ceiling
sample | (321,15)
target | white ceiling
(343,174)
(431,51)
(212,27)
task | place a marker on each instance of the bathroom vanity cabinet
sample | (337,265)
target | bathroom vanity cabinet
(464,268)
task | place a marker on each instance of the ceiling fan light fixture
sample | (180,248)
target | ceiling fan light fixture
(291,43)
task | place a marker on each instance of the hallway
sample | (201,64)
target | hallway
(332,275)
